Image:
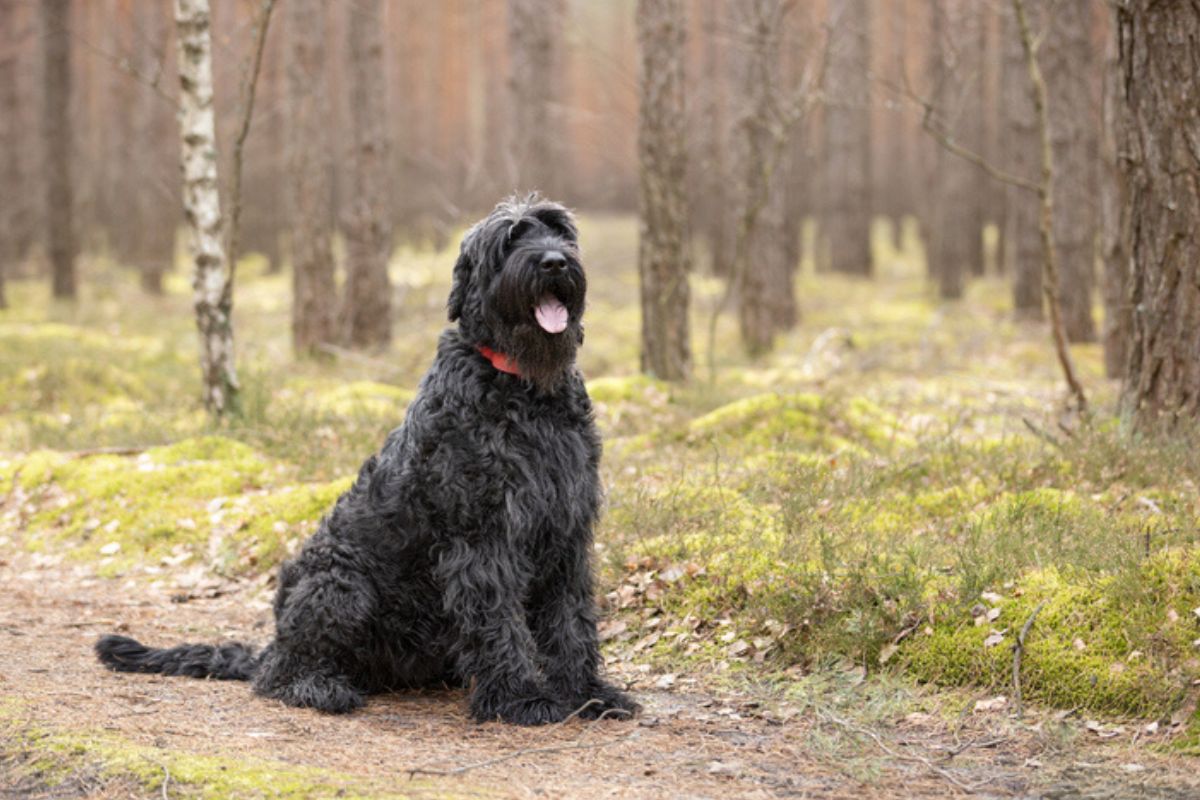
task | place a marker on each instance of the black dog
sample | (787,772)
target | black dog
(462,554)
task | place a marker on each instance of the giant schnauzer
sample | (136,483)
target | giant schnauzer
(462,554)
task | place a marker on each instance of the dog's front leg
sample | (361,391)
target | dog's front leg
(482,593)
(563,615)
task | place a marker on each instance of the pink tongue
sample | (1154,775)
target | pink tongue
(551,315)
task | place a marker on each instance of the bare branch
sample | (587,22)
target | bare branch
(943,137)
(1018,651)
(246,109)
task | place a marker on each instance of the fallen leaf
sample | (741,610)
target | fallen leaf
(666,681)
(110,549)
(991,704)
(886,652)
(993,639)
(993,614)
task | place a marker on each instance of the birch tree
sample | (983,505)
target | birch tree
(212,281)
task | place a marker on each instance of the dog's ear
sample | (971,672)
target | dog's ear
(459,283)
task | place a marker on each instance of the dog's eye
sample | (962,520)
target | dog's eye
(518,229)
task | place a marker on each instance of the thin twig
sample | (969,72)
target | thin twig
(1041,434)
(248,91)
(1018,650)
(1050,286)
(166,780)
(943,137)
(132,450)
(525,751)
(878,740)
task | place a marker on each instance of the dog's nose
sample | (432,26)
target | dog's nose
(553,261)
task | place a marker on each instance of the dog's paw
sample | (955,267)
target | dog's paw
(535,710)
(607,701)
(329,695)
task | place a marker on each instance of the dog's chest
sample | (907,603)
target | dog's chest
(549,468)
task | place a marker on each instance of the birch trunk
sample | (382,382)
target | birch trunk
(212,282)
(662,248)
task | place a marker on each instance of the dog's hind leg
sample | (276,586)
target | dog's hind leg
(323,623)
(483,588)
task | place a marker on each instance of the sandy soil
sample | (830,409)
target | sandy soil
(690,742)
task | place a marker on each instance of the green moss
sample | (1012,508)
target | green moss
(54,756)
(274,525)
(365,398)
(1093,645)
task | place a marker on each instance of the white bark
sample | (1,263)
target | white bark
(212,281)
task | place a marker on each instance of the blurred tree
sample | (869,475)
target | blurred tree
(953,224)
(10,176)
(153,210)
(763,282)
(662,247)
(1045,190)
(314,291)
(367,306)
(1021,158)
(57,134)
(212,279)
(847,185)
(1160,155)
(709,180)
(535,32)
(1114,220)
(1066,52)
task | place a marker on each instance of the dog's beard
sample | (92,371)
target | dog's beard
(536,321)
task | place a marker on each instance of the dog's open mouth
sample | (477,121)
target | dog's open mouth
(551,314)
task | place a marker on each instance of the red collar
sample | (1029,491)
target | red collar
(500,361)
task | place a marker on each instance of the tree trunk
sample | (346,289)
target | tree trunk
(368,230)
(1118,313)
(848,140)
(954,242)
(1160,153)
(1066,52)
(662,156)
(152,240)
(535,82)
(10,175)
(764,282)
(314,292)
(56,130)
(710,210)
(212,281)
(1021,230)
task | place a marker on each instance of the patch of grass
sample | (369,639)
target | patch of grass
(849,498)
(53,757)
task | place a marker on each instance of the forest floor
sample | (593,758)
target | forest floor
(813,567)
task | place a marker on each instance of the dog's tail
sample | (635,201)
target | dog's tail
(232,661)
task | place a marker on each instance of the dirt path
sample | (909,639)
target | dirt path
(691,743)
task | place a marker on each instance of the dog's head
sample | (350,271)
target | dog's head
(519,287)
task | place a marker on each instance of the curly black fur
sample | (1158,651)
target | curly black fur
(462,552)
